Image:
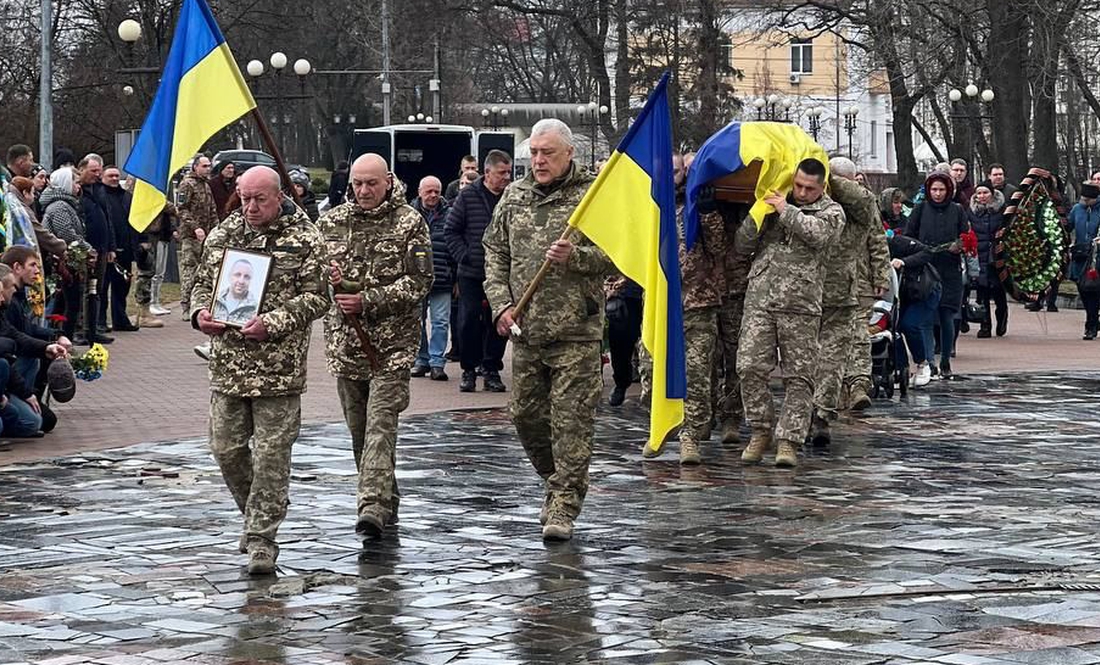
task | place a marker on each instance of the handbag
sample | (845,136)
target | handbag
(1089,281)
(920,282)
(975,312)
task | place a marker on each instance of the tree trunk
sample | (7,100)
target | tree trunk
(1008,32)
(1044,81)
(622,65)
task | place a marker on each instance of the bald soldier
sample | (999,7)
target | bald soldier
(258,371)
(381,269)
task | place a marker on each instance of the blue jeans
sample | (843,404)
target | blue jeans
(17,418)
(947,333)
(433,347)
(28,369)
(916,326)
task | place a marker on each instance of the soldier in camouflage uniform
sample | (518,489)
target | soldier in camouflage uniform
(198,215)
(380,253)
(840,311)
(556,358)
(702,283)
(872,281)
(736,262)
(258,371)
(783,310)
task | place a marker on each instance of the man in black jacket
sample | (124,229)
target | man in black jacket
(116,284)
(470,214)
(97,225)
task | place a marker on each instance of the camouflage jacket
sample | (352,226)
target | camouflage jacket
(196,207)
(296,295)
(569,304)
(788,266)
(385,254)
(738,257)
(702,270)
(849,257)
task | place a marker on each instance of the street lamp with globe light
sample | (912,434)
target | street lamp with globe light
(815,120)
(850,114)
(590,114)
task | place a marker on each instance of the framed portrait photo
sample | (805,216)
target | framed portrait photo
(239,291)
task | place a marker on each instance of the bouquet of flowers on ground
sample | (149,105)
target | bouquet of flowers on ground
(91,365)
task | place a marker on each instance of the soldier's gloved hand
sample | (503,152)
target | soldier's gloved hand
(705,201)
(208,325)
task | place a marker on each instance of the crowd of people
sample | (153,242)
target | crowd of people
(397,277)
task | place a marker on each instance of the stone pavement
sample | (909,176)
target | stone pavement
(156,389)
(957,527)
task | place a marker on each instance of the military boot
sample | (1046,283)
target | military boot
(145,319)
(820,437)
(758,445)
(370,524)
(559,525)
(731,430)
(689,452)
(261,558)
(786,454)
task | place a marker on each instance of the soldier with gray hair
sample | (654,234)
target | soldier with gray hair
(556,360)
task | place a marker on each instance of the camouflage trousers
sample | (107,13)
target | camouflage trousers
(834,340)
(555,388)
(857,372)
(700,340)
(730,314)
(146,263)
(795,337)
(371,409)
(190,251)
(258,476)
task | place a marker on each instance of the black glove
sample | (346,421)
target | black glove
(705,202)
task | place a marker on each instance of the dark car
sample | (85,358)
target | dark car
(246,159)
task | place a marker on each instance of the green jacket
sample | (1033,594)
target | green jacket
(385,255)
(791,250)
(569,304)
(296,296)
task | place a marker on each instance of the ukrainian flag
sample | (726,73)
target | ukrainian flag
(630,213)
(778,146)
(201,91)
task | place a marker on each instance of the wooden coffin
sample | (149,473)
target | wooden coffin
(739,186)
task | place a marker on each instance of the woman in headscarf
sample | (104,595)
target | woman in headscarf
(63,217)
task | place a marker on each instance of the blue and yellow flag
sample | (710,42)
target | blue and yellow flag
(201,91)
(630,213)
(778,146)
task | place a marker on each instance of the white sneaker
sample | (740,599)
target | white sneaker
(203,351)
(924,376)
(157,310)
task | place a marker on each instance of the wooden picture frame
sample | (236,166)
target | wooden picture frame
(241,286)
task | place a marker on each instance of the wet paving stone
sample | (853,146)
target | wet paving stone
(936,530)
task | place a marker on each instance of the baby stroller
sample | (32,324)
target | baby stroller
(883,329)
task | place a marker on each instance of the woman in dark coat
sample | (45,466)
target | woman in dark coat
(937,222)
(986,217)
